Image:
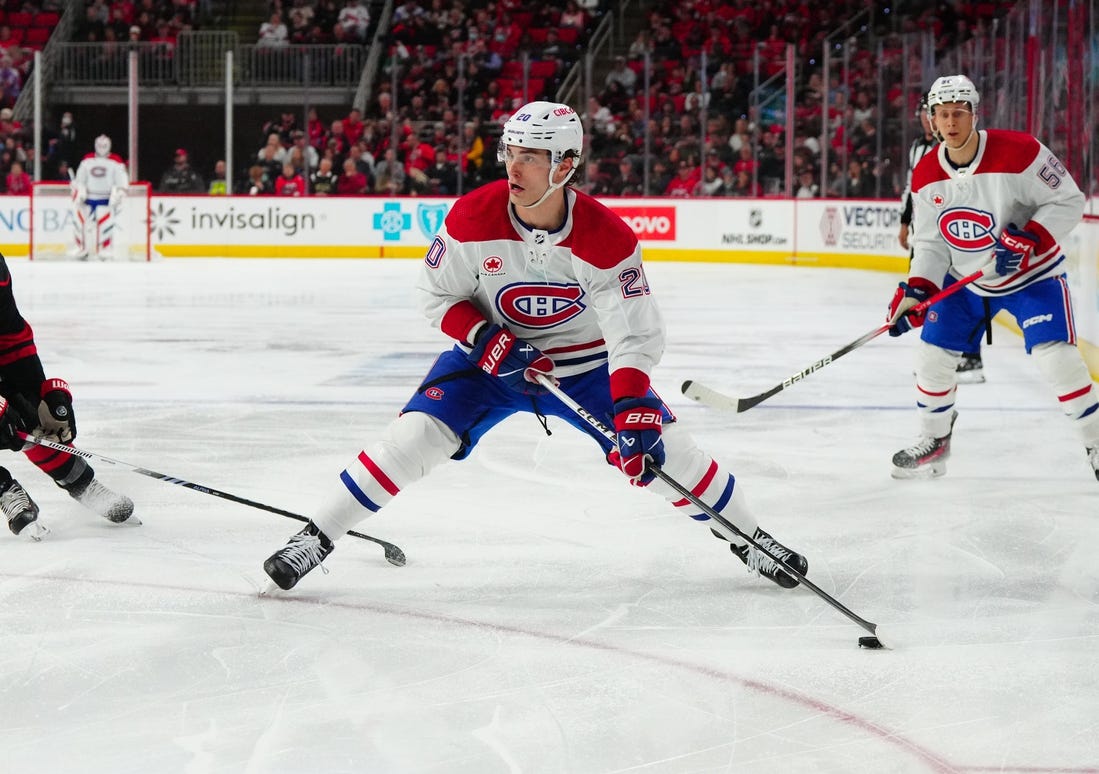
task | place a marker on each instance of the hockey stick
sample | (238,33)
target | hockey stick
(703,394)
(393,554)
(611,436)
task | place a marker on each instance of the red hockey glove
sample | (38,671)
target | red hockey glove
(500,353)
(907,295)
(638,422)
(55,412)
(1012,248)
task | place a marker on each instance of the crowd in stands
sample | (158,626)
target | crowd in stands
(454,71)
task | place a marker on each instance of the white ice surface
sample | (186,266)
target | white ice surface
(549,619)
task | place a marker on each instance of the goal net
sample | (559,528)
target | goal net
(53,231)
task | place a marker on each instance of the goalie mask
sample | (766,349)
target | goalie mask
(102,145)
(549,126)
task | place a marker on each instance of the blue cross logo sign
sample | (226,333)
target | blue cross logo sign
(392,222)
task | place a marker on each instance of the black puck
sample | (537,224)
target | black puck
(870,642)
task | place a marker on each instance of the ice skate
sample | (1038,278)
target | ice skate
(20,509)
(1093,458)
(926,458)
(113,507)
(760,563)
(971,369)
(302,553)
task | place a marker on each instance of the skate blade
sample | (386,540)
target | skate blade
(934,470)
(970,377)
(35,531)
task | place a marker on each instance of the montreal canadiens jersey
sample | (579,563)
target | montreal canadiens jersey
(99,174)
(959,213)
(579,294)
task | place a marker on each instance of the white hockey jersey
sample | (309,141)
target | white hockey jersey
(960,212)
(579,294)
(99,175)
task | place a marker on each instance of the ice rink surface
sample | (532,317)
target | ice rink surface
(550,618)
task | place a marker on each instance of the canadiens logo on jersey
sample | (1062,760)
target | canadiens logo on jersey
(968,229)
(533,305)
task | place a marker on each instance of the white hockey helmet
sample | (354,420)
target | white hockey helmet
(102,145)
(952,88)
(548,126)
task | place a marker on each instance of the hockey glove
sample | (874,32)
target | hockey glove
(117,193)
(10,424)
(907,295)
(1013,248)
(500,353)
(55,412)
(638,422)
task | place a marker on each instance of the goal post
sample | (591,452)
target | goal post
(52,218)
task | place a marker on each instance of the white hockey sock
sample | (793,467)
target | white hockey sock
(936,386)
(708,480)
(1064,369)
(410,447)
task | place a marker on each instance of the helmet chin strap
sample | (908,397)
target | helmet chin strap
(552,186)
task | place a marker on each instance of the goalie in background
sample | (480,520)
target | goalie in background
(31,403)
(98,190)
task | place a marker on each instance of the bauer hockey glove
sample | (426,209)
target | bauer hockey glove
(905,297)
(55,412)
(638,422)
(1013,248)
(500,353)
(10,424)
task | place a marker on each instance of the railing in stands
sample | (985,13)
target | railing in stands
(198,59)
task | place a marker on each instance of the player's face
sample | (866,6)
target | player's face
(528,173)
(954,121)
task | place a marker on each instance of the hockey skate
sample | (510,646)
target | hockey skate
(1093,458)
(926,458)
(763,564)
(113,507)
(302,553)
(971,369)
(20,509)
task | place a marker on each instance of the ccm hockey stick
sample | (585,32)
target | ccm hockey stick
(873,641)
(711,397)
(393,554)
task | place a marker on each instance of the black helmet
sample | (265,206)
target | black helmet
(923,104)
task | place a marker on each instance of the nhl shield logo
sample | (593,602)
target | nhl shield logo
(430,218)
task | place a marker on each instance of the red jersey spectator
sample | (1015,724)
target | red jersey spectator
(352,182)
(353,126)
(17,181)
(683,184)
(289,183)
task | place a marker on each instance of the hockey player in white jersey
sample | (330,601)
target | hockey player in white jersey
(970,365)
(531,277)
(98,190)
(988,195)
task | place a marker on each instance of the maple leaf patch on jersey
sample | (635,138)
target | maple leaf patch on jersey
(536,305)
(967,229)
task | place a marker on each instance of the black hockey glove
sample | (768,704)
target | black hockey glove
(55,412)
(10,424)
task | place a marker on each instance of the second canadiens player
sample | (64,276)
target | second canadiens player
(531,277)
(98,190)
(989,194)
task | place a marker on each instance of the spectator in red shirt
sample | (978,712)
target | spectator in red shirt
(352,182)
(353,126)
(17,181)
(289,183)
(683,184)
